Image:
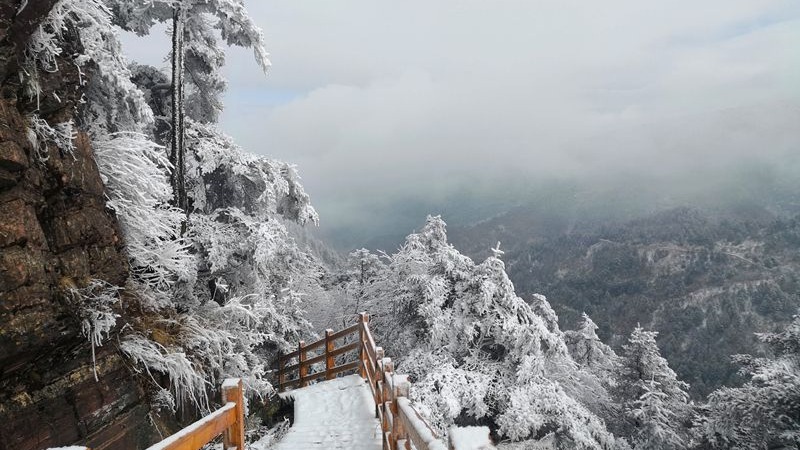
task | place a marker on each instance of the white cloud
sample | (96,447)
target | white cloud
(383,99)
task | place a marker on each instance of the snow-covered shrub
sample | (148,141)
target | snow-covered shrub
(163,401)
(240,204)
(222,175)
(227,338)
(543,410)
(444,390)
(111,98)
(235,275)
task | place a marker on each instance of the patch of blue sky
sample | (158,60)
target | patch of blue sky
(768,19)
(760,23)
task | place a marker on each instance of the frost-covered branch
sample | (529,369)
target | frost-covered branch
(41,134)
(95,302)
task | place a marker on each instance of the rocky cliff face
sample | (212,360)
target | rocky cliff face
(55,235)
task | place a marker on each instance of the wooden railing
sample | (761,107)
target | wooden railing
(327,353)
(227,420)
(401,424)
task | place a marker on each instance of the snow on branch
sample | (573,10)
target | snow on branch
(186,381)
(133,169)
(41,133)
(110,93)
(95,302)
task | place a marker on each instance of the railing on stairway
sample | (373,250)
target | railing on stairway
(401,423)
(227,420)
(328,355)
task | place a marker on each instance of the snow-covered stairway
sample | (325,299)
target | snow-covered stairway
(335,414)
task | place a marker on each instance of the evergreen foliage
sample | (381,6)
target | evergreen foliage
(654,400)
(477,352)
(205,20)
(220,299)
(765,411)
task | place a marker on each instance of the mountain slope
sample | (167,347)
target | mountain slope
(707,281)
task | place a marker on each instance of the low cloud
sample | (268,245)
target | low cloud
(379,101)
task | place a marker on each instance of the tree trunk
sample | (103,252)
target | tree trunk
(178,151)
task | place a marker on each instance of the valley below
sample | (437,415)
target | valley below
(706,280)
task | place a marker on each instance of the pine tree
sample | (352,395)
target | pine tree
(362,270)
(657,420)
(590,352)
(765,411)
(223,298)
(654,400)
(598,368)
(196,53)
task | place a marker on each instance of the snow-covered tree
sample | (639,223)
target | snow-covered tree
(204,21)
(590,352)
(177,148)
(196,57)
(598,368)
(361,270)
(765,411)
(477,352)
(654,400)
(213,301)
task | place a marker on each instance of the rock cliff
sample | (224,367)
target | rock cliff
(56,234)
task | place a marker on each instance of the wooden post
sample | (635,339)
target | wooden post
(329,360)
(281,374)
(389,402)
(401,389)
(301,359)
(362,351)
(232,391)
(379,379)
(384,406)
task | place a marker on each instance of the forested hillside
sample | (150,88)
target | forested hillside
(706,280)
(481,353)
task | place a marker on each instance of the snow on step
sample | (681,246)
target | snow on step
(333,414)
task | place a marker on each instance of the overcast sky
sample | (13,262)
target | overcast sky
(380,101)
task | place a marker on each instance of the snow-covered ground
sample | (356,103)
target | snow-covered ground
(333,414)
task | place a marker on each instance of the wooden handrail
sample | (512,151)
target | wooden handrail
(227,420)
(401,423)
(319,343)
(299,371)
